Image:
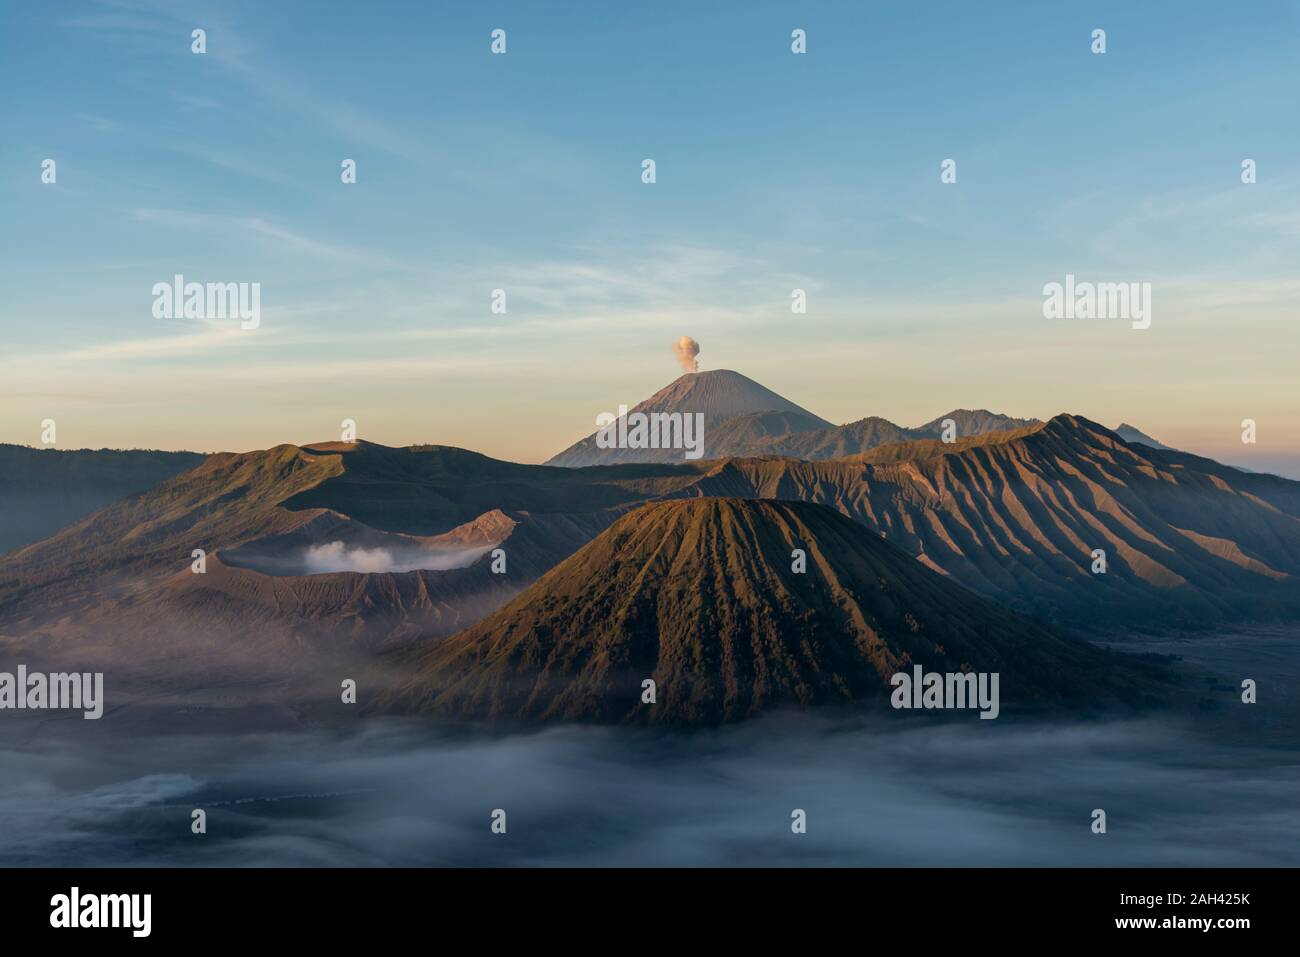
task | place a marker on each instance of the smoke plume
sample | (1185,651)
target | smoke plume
(687,349)
(338,557)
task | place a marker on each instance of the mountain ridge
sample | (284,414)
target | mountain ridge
(1011,515)
(1015,516)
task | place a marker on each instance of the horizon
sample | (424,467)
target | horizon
(775,172)
(1261,466)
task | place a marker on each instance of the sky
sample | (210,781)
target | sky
(775,171)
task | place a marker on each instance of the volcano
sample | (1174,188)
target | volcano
(719,395)
(703,597)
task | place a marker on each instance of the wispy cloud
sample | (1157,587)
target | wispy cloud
(199,339)
(100,124)
(281,237)
(167,25)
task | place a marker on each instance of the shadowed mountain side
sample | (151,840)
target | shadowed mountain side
(816,444)
(861,436)
(373,609)
(1016,516)
(42,490)
(700,597)
(428,489)
(739,435)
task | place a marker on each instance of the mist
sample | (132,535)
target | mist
(403,794)
(1201,788)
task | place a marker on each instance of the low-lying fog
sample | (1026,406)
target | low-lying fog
(397,795)
(1217,790)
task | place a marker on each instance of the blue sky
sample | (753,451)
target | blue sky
(522,172)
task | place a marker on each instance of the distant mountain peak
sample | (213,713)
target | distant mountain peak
(973,422)
(1131,434)
(719,395)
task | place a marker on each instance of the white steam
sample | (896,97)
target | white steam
(337,557)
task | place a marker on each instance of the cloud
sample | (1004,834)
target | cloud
(202,340)
(159,24)
(100,124)
(238,228)
(876,794)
